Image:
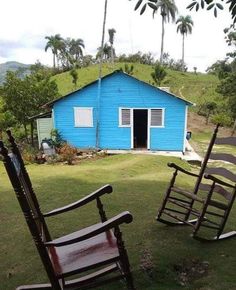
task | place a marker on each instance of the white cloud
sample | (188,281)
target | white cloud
(25,23)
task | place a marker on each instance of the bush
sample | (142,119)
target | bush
(30,154)
(53,159)
(223,119)
(68,153)
(56,139)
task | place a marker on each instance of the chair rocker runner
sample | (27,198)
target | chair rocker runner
(211,213)
(96,253)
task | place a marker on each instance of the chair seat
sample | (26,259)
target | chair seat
(75,258)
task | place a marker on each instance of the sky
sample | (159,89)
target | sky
(25,23)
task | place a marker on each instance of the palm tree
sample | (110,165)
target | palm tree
(76,46)
(168,10)
(111,33)
(185,24)
(54,43)
(104,52)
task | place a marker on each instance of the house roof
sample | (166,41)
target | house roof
(50,104)
(41,115)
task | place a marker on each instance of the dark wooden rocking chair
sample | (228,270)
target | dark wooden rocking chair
(179,205)
(220,197)
(96,254)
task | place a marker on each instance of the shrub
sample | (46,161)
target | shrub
(68,153)
(57,140)
(53,159)
(30,154)
(223,119)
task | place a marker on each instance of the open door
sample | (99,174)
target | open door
(140,128)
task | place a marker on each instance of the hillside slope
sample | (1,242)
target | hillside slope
(12,66)
(197,88)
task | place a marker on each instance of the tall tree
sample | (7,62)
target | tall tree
(100,73)
(168,11)
(24,98)
(111,33)
(185,24)
(104,52)
(227,75)
(55,43)
(76,49)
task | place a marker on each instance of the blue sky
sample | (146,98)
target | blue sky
(24,25)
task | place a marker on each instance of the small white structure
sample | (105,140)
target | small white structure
(44,128)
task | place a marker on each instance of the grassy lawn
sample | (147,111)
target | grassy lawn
(139,182)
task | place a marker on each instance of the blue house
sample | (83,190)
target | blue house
(121,112)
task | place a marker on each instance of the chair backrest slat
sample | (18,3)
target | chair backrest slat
(227,141)
(206,159)
(223,157)
(223,192)
(221,172)
(218,189)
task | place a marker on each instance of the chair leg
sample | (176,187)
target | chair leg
(182,221)
(226,215)
(127,273)
(124,260)
(201,219)
(165,200)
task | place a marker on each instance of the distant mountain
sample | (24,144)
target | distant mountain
(13,66)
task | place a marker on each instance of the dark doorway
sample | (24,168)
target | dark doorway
(140,128)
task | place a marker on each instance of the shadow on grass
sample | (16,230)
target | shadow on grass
(163,247)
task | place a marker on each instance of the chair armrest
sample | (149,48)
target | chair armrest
(89,232)
(217,180)
(105,189)
(173,165)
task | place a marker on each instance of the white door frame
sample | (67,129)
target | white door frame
(148,126)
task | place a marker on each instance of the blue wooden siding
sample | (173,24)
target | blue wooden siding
(64,118)
(120,90)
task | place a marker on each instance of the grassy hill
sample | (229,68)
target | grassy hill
(196,88)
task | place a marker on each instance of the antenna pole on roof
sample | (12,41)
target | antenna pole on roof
(100,74)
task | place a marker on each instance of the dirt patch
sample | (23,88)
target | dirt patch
(189,270)
(146,262)
(198,124)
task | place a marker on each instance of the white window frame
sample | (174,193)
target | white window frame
(76,122)
(120,117)
(162,119)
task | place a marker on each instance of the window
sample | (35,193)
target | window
(83,117)
(157,119)
(125,117)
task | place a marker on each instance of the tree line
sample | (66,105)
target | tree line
(68,53)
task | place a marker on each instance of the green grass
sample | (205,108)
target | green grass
(196,88)
(139,182)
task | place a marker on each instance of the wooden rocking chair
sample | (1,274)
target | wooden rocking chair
(96,254)
(178,204)
(220,198)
